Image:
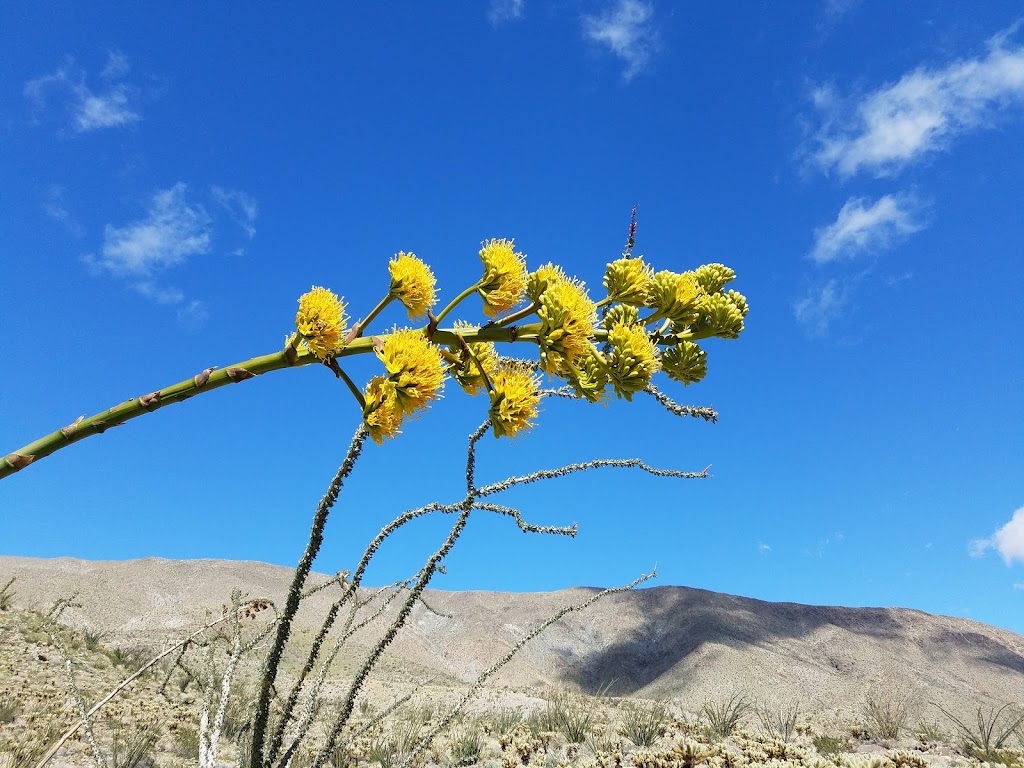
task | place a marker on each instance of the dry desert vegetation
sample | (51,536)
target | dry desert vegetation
(665,676)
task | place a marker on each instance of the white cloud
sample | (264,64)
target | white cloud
(920,114)
(117,66)
(1008,541)
(241,207)
(816,311)
(626,30)
(860,227)
(193,315)
(763,548)
(502,12)
(171,232)
(89,110)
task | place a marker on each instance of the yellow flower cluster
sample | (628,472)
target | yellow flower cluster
(627,280)
(674,295)
(649,322)
(515,394)
(541,278)
(414,367)
(633,359)
(504,279)
(412,283)
(321,322)
(567,320)
(472,364)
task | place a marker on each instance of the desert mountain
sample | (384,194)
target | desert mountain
(663,642)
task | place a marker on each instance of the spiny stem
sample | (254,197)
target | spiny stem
(284,625)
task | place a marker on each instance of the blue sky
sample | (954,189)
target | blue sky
(174,179)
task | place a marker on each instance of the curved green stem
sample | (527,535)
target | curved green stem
(138,406)
(289,357)
(524,312)
(455,302)
(350,384)
(374,312)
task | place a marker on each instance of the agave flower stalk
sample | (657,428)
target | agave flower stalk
(687,307)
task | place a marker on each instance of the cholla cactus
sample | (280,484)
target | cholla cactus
(649,322)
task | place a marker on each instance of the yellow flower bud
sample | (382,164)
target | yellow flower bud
(542,277)
(627,280)
(620,313)
(685,362)
(632,361)
(719,314)
(740,301)
(674,295)
(713,277)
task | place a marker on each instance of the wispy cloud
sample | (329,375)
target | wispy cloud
(627,31)
(242,208)
(193,315)
(862,226)
(172,231)
(1008,541)
(110,107)
(501,12)
(922,113)
(55,206)
(816,311)
(175,229)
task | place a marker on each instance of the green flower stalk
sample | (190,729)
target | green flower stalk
(560,320)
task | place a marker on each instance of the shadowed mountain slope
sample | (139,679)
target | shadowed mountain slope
(662,642)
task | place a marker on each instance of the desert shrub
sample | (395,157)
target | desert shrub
(132,744)
(885,715)
(644,724)
(7,595)
(986,738)
(831,745)
(779,720)
(572,716)
(930,733)
(91,638)
(9,708)
(724,715)
(504,720)
(467,745)
(30,745)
